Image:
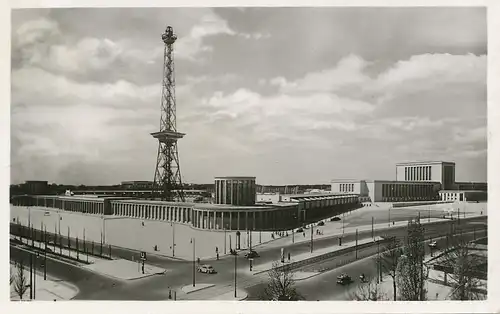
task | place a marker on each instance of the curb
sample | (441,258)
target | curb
(201,289)
(316,274)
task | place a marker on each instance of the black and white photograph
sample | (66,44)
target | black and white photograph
(248,154)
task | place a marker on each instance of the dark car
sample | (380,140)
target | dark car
(299,230)
(335,219)
(251,254)
(321,223)
(344,279)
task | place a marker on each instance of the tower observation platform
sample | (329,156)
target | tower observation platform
(167,137)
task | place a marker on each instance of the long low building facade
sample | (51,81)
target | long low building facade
(297,211)
(415,181)
(388,191)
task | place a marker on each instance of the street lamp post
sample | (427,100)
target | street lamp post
(173,238)
(45,257)
(356,243)
(103,229)
(225,228)
(193,241)
(343,218)
(378,262)
(389,221)
(372,227)
(312,227)
(235,272)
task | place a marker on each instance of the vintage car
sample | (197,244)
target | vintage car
(344,279)
(207,269)
(252,254)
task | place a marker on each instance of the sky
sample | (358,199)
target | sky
(289,95)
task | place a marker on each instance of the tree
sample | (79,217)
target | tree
(280,286)
(12,277)
(20,285)
(389,260)
(410,270)
(368,291)
(464,265)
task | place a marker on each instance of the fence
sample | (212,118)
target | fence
(55,243)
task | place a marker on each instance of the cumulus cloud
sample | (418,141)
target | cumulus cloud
(83,104)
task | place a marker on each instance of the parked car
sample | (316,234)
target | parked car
(433,244)
(321,223)
(335,219)
(207,269)
(344,279)
(299,230)
(252,254)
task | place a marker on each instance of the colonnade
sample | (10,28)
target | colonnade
(327,201)
(152,211)
(407,192)
(262,219)
(73,205)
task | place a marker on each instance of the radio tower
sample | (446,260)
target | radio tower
(167,183)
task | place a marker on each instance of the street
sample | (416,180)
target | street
(96,287)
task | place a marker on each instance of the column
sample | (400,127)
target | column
(238,220)
(222,220)
(246,220)
(230,220)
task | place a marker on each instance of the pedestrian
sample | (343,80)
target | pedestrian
(287,233)
(198,261)
(304,234)
(272,236)
(217,255)
(289,256)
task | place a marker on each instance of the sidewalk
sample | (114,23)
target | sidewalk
(229,296)
(259,268)
(46,290)
(124,269)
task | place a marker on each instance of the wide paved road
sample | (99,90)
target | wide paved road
(324,287)
(96,287)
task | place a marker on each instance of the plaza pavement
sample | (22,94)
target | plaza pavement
(143,235)
(46,290)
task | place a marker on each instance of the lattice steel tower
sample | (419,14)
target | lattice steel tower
(167,183)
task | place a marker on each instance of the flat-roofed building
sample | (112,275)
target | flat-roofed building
(431,171)
(36,187)
(239,191)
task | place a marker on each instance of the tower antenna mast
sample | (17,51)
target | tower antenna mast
(167,183)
